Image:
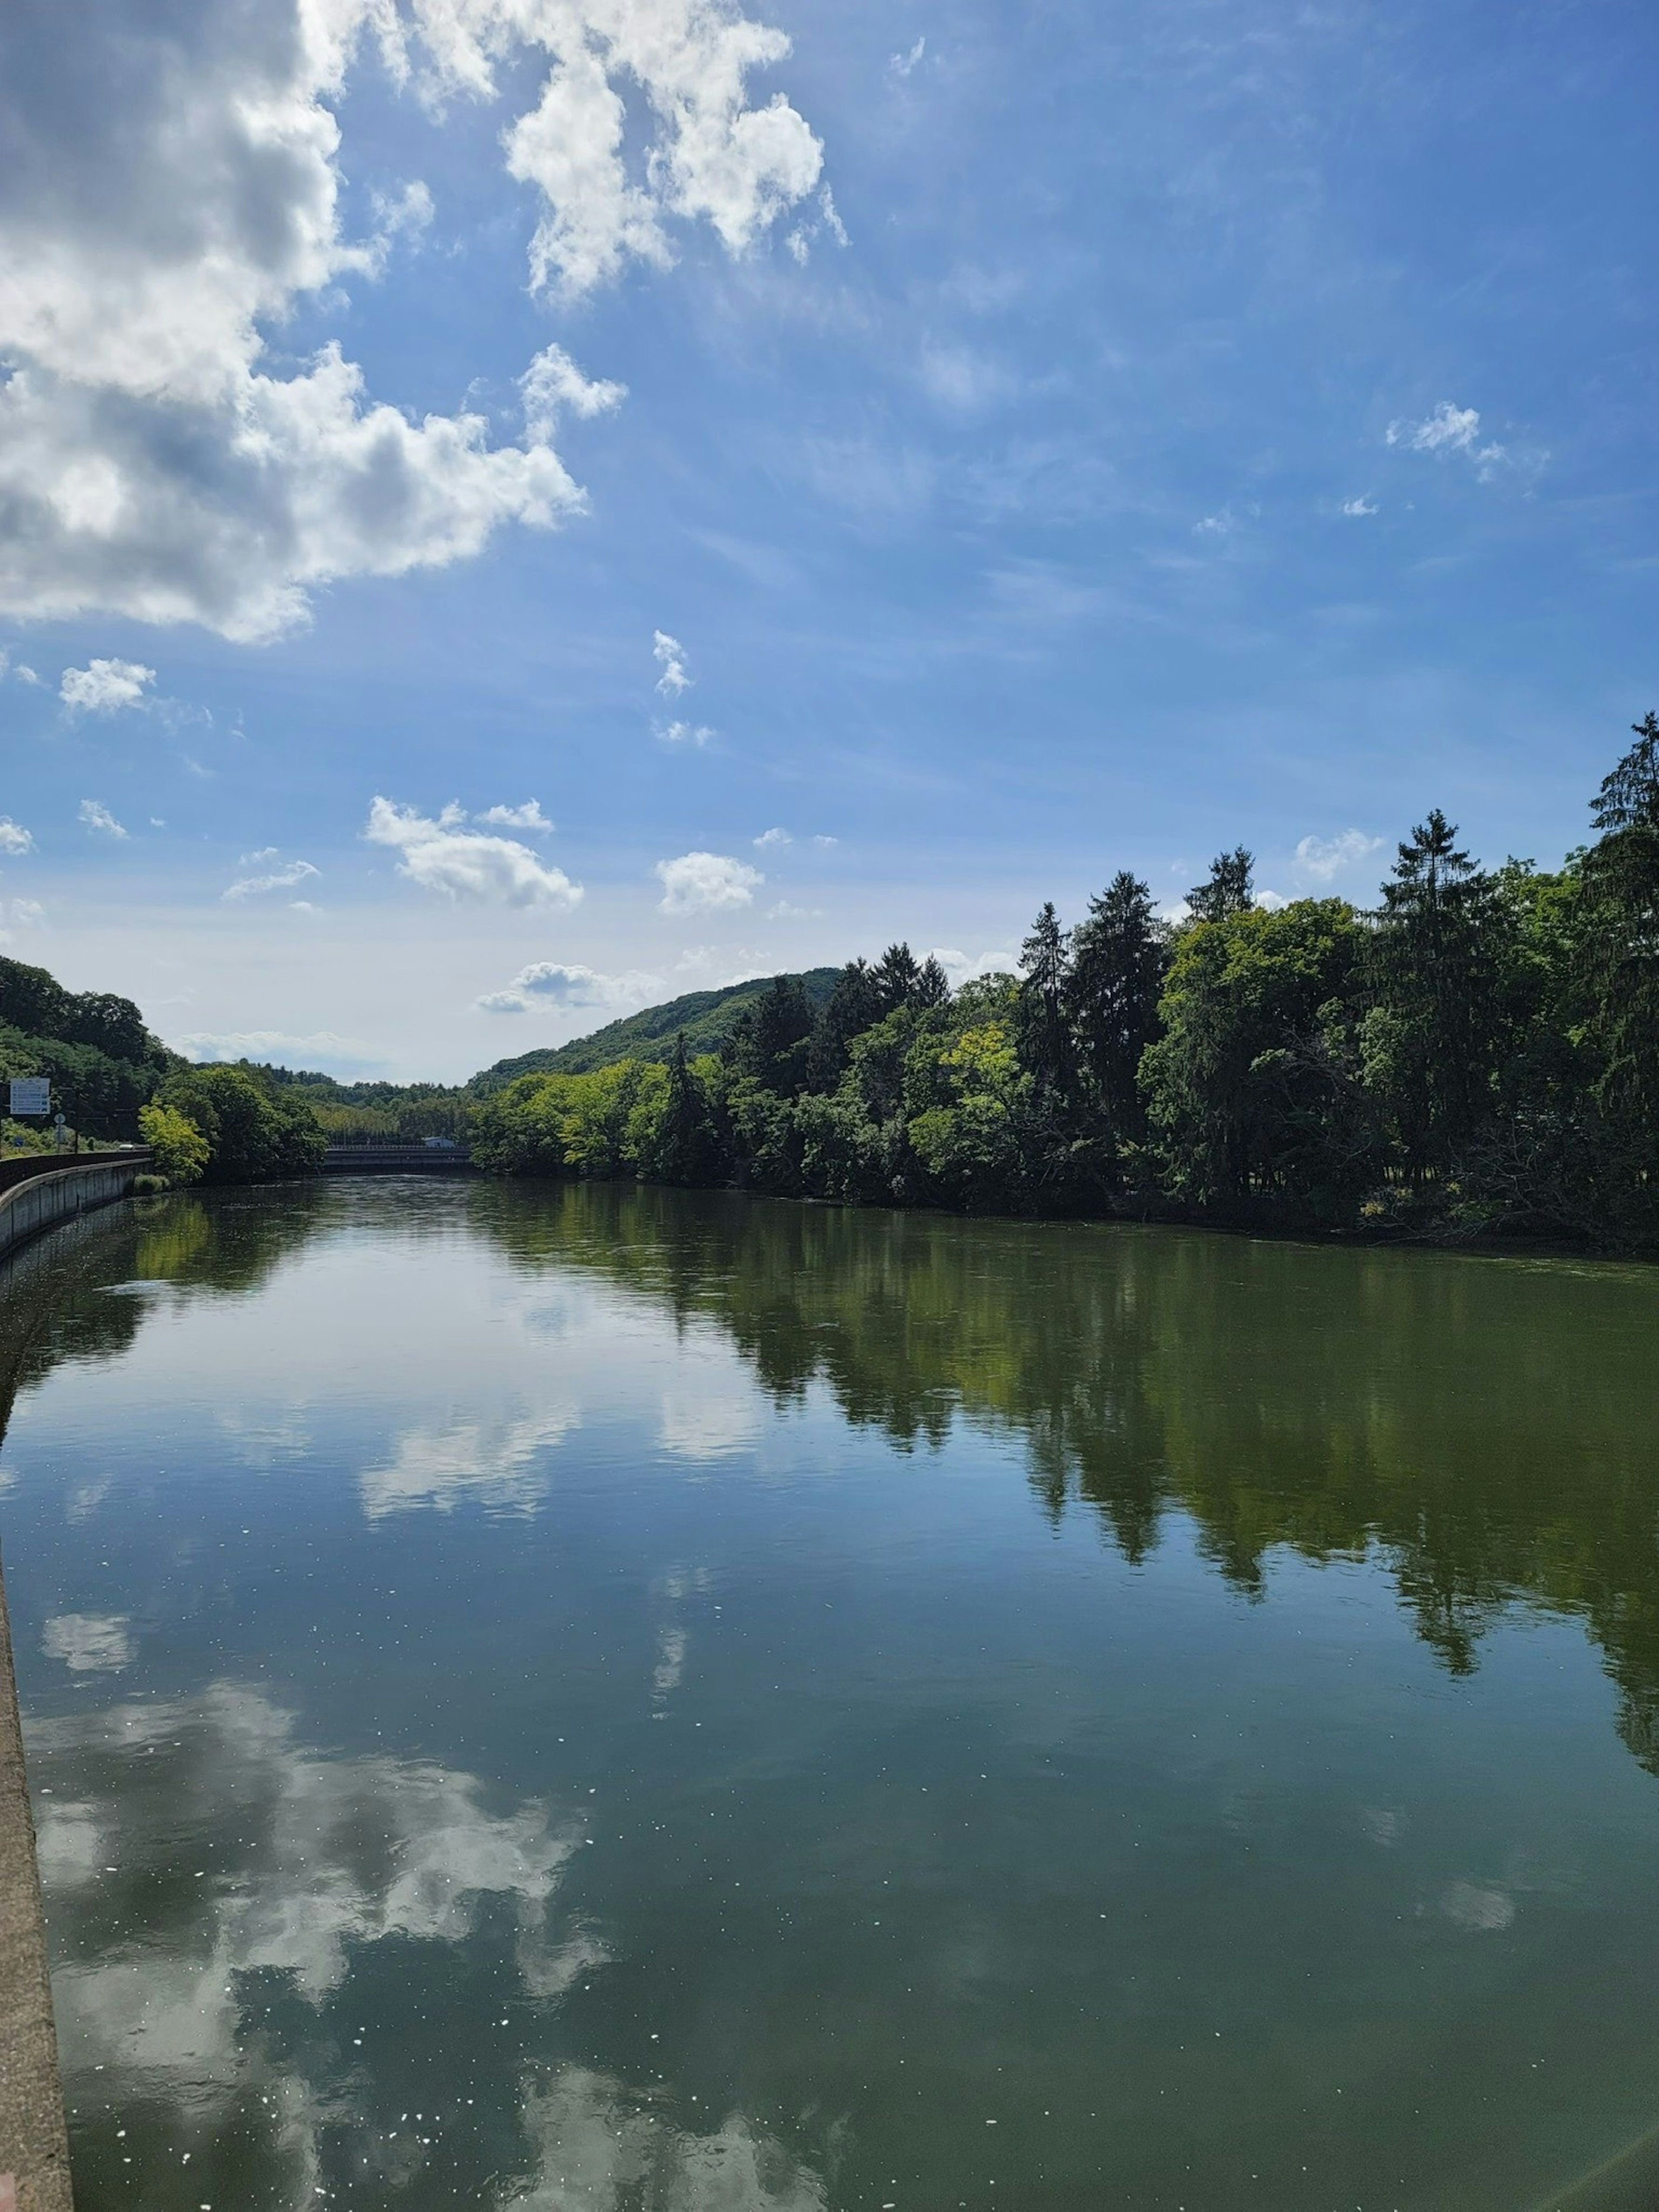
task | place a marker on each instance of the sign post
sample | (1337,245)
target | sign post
(30,1094)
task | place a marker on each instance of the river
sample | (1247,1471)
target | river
(577,1698)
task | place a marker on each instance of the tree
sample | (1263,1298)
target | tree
(681,1149)
(1228,891)
(179,1149)
(254,1132)
(1435,1036)
(853,1005)
(896,975)
(933,985)
(1622,938)
(1242,1093)
(1119,956)
(767,1042)
(1044,1034)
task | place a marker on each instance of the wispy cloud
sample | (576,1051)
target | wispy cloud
(706,883)
(670,655)
(14,838)
(1456,431)
(904,65)
(97,818)
(773,840)
(1322,860)
(321,1049)
(1360,506)
(282,878)
(696,734)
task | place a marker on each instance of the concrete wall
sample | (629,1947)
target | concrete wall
(59,1192)
(34,2175)
(34,2142)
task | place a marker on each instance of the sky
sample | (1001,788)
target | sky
(511,510)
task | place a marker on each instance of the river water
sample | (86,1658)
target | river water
(571,1699)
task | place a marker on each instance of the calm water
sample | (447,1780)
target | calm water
(571,1700)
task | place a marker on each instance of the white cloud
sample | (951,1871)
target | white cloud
(96,815)
(685,733)
(172,191)
(714,157)
(770,839)
(670,655)
(552,983)
(1323,859)
(706,883)
(1451,429)
(902,66)
(825,844)
(278,880)
(90,1642)
(493,1464)
(527,816)
(104,687)
(963,967)
(1360,506)
(553,383)
(597,2144)
(1270,902)
(442,856)
(290,1899)
(783,911)
(322,1050)
(14,838)
(23,914)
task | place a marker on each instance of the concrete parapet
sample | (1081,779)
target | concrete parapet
(59,1190)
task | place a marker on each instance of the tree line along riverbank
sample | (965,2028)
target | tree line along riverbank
(1476,1055)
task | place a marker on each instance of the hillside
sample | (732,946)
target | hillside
(706,1017)
(102,1062)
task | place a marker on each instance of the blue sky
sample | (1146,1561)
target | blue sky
(1063,438)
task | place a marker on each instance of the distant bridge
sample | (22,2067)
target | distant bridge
(415,1158)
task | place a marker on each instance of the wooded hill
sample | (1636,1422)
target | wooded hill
(102,1062)
(706,1018)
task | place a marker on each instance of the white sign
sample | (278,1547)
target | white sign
(31,1094)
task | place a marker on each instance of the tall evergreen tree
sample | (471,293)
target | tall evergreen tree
(1119,956)
(770,1042)
(853,1005)
(684,1146)
(1435,1034)
(933,985)
(1229,889)
(1045,1036)
(897,975)
(1621,943)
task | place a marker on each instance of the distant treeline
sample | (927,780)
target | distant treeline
(1478,1053)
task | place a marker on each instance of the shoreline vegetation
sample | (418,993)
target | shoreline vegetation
(1475,1057)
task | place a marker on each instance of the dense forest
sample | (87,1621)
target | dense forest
(1478,1053)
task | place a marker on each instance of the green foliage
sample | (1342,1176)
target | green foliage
(706,1018)
(255,1129)
(102,1062)
(1244,1090)
(181,1152)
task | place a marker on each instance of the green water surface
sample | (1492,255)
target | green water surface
(582,1699)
